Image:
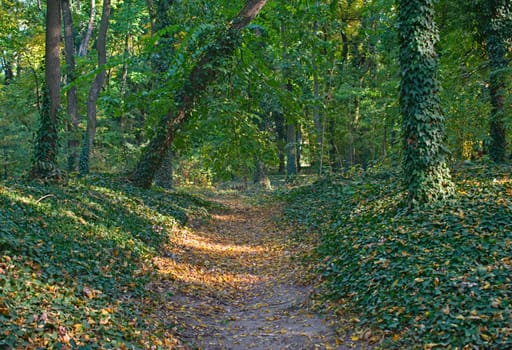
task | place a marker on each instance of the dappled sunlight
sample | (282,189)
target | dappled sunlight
(199,242)
(230,254)
(207,276)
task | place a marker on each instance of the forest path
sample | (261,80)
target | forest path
(232,283)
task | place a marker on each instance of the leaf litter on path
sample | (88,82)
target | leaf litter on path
(232,283)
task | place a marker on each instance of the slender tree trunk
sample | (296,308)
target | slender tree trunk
(497,50)
(45,157)
(260,176)
(84,45)
(291,151)
(95,90)
(333,149)
(71,95)
(281,139)
(298,148)
(426,174)
(8,73)
(204,72)
(318,120)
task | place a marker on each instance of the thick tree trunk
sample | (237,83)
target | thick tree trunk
(163,176)
(95,90)
(204,72)
(160,64)
(497,50)
(45,156)
(72,107)
(426,174)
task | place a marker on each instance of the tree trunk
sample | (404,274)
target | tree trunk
(426,174)
(163,176)
(160,65)
(84,45)
(318,120)
(72,107)
(334,160)
(8,73)
(281,139)
(205,71)
(291,151)
(94,91)
(298,147)
(260,176)
(497,50)
(46,144)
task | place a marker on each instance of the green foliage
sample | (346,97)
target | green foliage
(438,277)
(426,173)
(46,143)
(75,259)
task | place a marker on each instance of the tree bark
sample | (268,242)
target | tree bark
(496,47)
(291,151)
(161,19)
(260,175)
(163,176)
(46,144)
(84,45)
(426,174)
(71,95)
(95,90)
(205,71)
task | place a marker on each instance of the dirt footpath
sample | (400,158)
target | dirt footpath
(233,283)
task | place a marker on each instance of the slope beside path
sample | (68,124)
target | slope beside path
(233,283)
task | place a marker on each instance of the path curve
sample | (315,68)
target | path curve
(233,283)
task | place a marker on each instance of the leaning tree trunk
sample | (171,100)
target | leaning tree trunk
(45,150)
(72,123)
(500,11)
(426,174)
(96,86)
(205,71)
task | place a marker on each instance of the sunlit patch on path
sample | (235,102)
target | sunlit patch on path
(232,283)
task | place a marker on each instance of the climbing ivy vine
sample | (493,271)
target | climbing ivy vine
(426,174)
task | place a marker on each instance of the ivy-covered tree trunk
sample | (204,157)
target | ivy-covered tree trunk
(204,72)
(426,174)
(497,31)
(161,19)
(45,148)
(101,45)
(71,95)
(163,176)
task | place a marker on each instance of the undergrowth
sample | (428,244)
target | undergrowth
(435,278)
(75,260)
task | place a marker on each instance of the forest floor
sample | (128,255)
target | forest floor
(234,282)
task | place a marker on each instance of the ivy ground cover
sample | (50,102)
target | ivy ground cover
(75,260)
(435,278)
